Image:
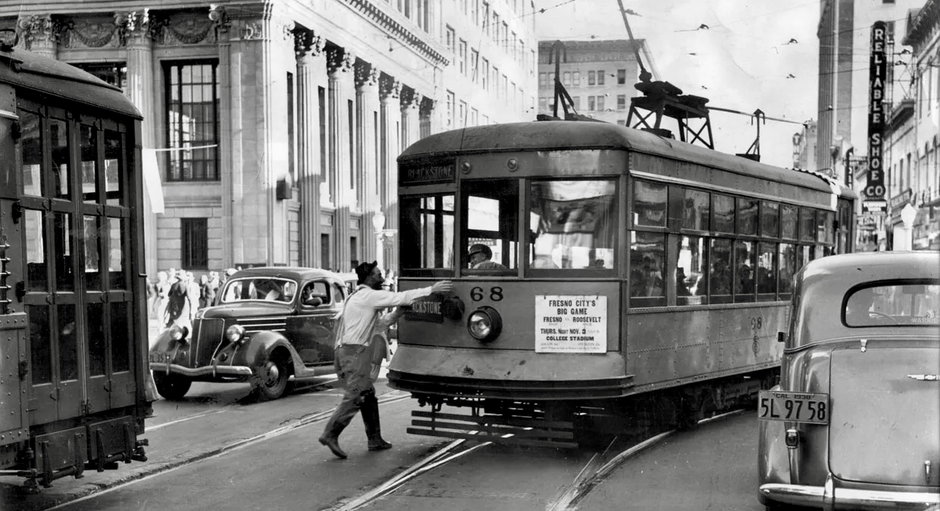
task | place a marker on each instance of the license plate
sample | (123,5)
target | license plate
(776,405)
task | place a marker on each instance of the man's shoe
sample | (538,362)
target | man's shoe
(380,445)
(333,444)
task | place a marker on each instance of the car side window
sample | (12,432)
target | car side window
(315,294)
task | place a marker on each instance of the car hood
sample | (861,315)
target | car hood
(242,310)
(885,407)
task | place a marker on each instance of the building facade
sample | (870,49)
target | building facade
(844,34)
(598,75)
(913,135)
(804,147)
(271,127)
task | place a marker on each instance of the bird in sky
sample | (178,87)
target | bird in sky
(631,11)
(693,53)
(700,27)
(792,41)
(790,75)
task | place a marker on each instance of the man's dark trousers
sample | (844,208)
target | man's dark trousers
(354,364)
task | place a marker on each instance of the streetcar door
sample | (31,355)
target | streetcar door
(49,291)
(104,278)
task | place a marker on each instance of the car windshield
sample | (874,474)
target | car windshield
(893,304)
(259,288)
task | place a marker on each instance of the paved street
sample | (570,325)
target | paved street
(217,449)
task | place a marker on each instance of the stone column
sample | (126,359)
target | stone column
(227,70)
(135,35)
(341,88)
(367,94)
(38,34)
(311,74)
(252,183)
(410,101)
(389,119)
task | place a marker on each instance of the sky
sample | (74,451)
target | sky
(742,55)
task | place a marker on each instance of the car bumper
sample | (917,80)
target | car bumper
(202,372)
(829,497)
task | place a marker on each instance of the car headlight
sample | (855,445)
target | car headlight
(178,333)
(484,324)
(235,333)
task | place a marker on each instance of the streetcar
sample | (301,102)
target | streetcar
(631,279)
(73,332)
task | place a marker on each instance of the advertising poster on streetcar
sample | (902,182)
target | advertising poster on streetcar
(570,324)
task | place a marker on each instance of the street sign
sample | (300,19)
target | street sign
(875,206)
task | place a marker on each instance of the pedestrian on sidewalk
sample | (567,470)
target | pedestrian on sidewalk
(354,353)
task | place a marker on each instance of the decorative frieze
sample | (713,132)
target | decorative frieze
(38,29)
(182,28)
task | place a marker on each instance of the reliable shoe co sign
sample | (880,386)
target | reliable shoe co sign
(875,188)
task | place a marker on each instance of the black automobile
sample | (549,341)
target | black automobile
(270,326)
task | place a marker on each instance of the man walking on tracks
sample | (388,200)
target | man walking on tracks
(354,353)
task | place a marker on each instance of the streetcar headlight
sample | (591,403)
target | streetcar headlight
(484,324)
(235,333)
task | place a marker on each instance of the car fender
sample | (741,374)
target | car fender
(773,463)
(166,346)
(259,348)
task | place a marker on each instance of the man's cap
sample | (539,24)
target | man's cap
(479,248)
(364,270)
(230,271)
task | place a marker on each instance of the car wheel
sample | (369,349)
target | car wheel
(171,386)
(272,379)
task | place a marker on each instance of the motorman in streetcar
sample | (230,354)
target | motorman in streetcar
(853,422)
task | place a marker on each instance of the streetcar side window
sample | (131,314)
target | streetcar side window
(31,144)
(691,271)
(572,224)
(427,224)
(647,267)
(490,209)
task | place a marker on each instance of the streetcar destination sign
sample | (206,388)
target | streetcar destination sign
(427,173)
(570,324)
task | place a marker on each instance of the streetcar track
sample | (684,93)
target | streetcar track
(392,397)
(440,457)
(588,478)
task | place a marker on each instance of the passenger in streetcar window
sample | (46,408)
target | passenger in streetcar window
(647,280)
(355,353)
(480,257)
(682,287)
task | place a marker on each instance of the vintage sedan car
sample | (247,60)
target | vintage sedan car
(269,326)
(855,420)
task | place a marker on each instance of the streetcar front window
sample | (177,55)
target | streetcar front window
(490,211)
(572,224)
(427,228)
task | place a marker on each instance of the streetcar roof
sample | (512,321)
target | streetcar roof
(581,135)
(58,79)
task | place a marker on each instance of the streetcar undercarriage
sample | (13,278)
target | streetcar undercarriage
(570,423)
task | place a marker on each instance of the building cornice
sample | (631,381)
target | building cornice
(923,24)
(391,26)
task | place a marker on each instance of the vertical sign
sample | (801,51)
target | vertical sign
(878,67)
